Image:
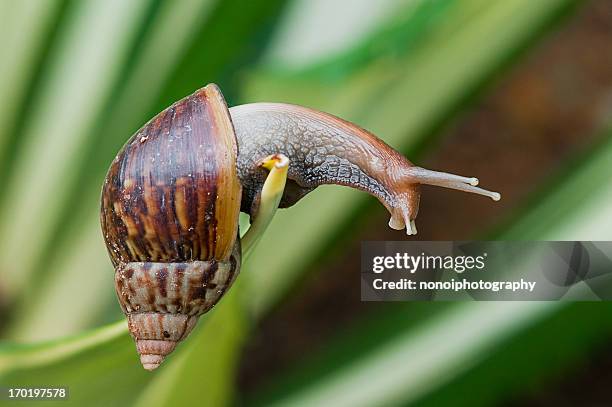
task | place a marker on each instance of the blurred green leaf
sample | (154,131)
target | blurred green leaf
(339,48)
(576,206)
(19,356)
(418,361)
(83,363)
(541,352)
(22,30)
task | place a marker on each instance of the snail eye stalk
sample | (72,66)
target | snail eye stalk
(443,179)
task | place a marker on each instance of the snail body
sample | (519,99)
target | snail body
(324,149)
(172,196)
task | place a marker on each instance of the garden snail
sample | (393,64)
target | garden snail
(172,196)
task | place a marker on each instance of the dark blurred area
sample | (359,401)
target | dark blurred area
(520,129)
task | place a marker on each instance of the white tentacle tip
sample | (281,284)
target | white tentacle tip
(496,196)
(400,223)
(411,228)
(396,224)
(473,181)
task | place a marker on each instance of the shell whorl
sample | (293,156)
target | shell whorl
(175,288)
(172,194)
(164,300)
(169,215)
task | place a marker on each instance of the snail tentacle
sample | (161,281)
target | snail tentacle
(452,181)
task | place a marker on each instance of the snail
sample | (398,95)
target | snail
(172,196)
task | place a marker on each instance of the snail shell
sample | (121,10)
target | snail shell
(169,216)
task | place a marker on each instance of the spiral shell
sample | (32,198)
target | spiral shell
(169,215)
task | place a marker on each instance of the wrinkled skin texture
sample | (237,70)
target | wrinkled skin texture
(322,149)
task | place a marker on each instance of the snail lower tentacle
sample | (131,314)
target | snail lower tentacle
(324,149)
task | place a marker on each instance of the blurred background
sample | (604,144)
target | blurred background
(515,92)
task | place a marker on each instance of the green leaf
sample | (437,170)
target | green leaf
(19,356)
(577,207)
(21,38)
(82,363)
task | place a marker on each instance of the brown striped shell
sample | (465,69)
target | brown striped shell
(170,206)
